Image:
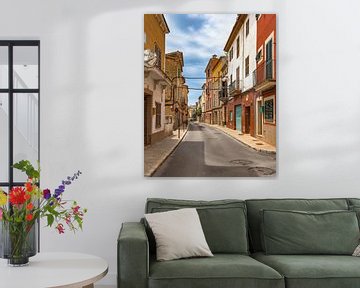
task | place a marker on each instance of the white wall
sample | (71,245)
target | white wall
(92,107)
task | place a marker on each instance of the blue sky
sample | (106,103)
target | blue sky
(198,36)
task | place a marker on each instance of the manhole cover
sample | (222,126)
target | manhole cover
(259,143)
(240,162)
(262,170)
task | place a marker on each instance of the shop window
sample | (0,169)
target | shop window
(269,109)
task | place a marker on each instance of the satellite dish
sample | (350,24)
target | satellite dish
(150,58)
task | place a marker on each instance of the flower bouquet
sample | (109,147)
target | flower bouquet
(21,208)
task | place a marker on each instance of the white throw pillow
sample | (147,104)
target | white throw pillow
(178,234)
(357,251)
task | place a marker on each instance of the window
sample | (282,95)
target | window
(158,56)
(19,108)
(238,78)
(269,59)
(269,109)
(259,55)
(158,114)
(247,28)
(247,66)
(237,47)
(231,55)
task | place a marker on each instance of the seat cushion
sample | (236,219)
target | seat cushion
(315,271)
(255,206)
(222,270)
(223,221)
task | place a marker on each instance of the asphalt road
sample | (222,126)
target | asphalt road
(208,152)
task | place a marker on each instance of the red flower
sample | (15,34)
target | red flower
(29,217)
(29,186)
(27,196)
(60,228)
(75,209)
(17,196)
(29,206)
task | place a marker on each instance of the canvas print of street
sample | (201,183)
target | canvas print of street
(210,95)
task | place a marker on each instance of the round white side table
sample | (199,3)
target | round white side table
(50,270)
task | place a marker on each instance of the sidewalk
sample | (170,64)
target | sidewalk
(156,154)
(246,139)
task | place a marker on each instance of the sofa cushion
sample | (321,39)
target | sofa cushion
(254,217)
(313,271)
(356,209)
(183,240)
(223,221)
(297,232)
(353,201)
(222,270)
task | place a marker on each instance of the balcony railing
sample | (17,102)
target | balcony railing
(264,72)
(223,95)
(235,87)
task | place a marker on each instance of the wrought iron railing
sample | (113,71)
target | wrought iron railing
(264,72)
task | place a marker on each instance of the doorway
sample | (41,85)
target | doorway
(147,119)
(247,120)
(259,118)
(238,112)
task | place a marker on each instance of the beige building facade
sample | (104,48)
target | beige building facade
(155,79)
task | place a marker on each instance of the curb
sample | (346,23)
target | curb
(167,156)
(254,148)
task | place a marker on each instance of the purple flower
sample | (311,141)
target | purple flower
(46,194)
(64,183)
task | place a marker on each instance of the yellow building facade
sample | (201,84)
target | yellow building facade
(155,79)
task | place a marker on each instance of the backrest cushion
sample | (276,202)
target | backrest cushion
(354,205)
(353,201)
(255,206)
(298,232)
(223,221)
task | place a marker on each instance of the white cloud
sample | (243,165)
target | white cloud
(199,44)
(209,39)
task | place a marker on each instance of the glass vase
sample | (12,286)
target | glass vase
(18,242)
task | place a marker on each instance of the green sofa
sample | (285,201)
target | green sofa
(236,234)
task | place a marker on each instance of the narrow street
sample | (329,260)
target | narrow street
(208,152)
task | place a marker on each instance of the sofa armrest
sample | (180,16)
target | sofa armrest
(133,256)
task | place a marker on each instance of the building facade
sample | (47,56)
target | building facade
(174,70)
(210,92)
(203,103)
(155,79)
(241,52)
(265,78)
(217,87)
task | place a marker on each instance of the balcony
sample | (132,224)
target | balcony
(235,87)
(264,76)
(223,95)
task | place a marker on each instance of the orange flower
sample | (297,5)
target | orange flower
(29,187)
(27,196)
(29,217)
(29,206)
